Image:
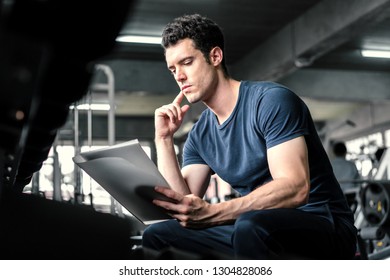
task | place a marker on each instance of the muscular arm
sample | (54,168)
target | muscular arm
(289,188)
(168,165)
(194,179)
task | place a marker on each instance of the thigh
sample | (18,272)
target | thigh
(202,241)
(294,234)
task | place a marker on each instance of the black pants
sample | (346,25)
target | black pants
(263,234)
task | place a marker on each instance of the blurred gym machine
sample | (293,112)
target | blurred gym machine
(371,206)
(47,51)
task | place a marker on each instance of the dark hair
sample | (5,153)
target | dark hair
(339,149)
(204,32)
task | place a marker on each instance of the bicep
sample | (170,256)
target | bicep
(197,177)
(289,160)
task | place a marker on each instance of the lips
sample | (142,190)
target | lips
(183,88)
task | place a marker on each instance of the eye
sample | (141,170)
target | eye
(187,61)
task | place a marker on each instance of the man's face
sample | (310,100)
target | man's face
(195,77)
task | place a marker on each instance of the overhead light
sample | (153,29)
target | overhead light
(376,53)
(139,39)
(93,107)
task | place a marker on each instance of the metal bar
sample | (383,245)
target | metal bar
(111,99)
(56,174)
(100,87)
(77,173)
(115,207)
(89,120)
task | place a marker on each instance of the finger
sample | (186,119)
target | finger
(178,110)
(165,204)
(179,98)
(177,211)
(181,110)
(184,110)
(181,217)
(185,221)
(169,193)
(171,112)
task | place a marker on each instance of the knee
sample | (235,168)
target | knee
(255,224)
(157,236)
(151,235)
(245,227)
(150,230)
(248,238)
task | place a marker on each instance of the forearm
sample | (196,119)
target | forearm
(168,165)
(280,193)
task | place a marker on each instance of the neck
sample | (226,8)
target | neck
(224,99)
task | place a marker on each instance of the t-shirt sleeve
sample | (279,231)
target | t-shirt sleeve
(282,116)
(190,153)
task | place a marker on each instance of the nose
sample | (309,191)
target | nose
(180,75)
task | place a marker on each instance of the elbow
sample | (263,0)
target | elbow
(302,196)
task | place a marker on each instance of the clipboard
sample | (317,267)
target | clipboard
(127,173)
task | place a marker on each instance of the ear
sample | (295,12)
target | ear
(216,56)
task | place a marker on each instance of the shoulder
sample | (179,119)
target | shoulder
(267,92)
(262,86)
(272,97)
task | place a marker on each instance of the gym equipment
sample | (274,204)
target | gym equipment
(375,202)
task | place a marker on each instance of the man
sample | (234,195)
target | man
(344,169)
(260,138)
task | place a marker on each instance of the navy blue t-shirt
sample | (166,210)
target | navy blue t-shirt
(266,114)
